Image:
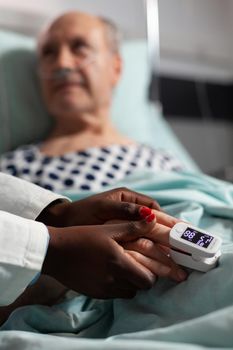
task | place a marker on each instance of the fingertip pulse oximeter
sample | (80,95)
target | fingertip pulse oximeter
(193,247)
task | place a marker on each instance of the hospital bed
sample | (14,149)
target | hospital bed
(194,315)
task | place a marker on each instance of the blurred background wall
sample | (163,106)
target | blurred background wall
(197,78)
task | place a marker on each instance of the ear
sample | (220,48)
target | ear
(116,69)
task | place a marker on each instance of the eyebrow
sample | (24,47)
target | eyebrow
(80,40)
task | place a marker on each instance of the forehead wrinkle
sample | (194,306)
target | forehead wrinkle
(74,20)
(68,21)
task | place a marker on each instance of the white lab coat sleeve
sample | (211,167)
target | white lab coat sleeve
(23,198)
(23,246)
(23,241)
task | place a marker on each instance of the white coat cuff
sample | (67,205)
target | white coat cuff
(23,246)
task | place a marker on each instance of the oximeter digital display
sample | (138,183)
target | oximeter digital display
(197,237)
(193,247)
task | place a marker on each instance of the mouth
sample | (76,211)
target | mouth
(69,84)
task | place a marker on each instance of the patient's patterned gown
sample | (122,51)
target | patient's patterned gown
(92,169)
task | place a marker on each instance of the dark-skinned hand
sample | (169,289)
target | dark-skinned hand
(89,259)
(124,204)
(120,203)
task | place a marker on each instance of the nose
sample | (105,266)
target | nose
(64,59)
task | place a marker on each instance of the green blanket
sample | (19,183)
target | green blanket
(195,314)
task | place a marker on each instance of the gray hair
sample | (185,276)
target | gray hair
(113,34)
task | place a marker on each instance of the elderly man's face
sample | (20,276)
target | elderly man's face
(77,43)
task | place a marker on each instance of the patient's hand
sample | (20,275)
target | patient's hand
(155,258)
(153,253)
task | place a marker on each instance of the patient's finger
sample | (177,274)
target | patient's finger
(165,219)
(151,250)
(162,217)
(135,273)
(129,209)
(164,249)
(162,266)
(160,234)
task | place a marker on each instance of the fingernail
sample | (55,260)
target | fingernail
(144,212)
(150,218)
(182,275)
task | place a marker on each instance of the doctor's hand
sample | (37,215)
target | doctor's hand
(120,203)
(89,260)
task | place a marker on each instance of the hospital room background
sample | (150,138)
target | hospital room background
(176,94)
(190,57)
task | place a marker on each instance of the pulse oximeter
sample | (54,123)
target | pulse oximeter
(193,247)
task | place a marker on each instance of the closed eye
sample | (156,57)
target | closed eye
(48,50)
(80,47)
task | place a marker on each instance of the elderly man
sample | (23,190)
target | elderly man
(79,67)
(87,47)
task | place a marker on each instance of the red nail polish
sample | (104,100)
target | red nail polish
(144,212)
(150,218)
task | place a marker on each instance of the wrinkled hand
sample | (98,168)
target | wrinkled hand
(153,252)
(89,260)
(120,203)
